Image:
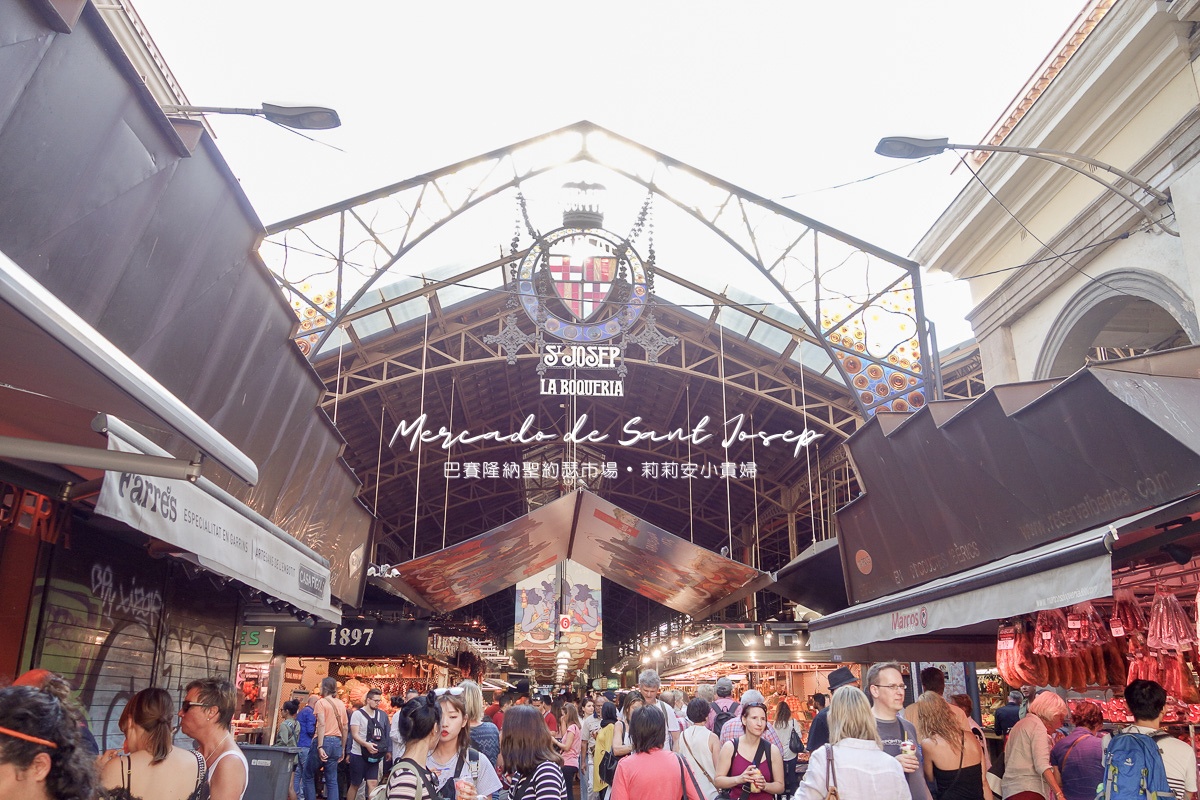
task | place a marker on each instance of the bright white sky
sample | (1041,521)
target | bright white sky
(784,99)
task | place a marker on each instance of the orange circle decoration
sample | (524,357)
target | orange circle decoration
(862,560)
(916,399)
(897,380)
(882,389)
(861,382)
(866,397)
(852,364)
(874,372)
(899,405)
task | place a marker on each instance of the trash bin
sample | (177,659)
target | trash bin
(270,771)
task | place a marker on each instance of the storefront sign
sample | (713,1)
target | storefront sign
(742,644)
(222,539)
(354,639)
(256,638)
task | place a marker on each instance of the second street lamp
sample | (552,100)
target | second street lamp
(914,147)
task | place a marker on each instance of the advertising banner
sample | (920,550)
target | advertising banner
(220,538)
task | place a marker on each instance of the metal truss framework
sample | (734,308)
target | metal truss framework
(844,289)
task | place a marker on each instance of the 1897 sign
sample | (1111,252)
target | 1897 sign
(358,637)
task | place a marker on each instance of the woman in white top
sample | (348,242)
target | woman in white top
(699,747)
(785,724)
(205,715)
(860,768)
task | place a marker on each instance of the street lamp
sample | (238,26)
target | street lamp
(913,147)
(305,118)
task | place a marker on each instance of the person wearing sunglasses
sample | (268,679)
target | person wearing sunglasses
(885,682)
(41,752)
(205,715)
(153,768)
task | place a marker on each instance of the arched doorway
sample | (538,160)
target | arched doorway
(1124,314)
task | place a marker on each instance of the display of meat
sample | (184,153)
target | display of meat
(1127,612)
(1050,634)
(1169,627)
(1085,626)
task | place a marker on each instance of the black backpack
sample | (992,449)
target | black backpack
(377,734)
(724,716)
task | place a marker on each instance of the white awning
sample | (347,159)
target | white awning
(218,532)
(51,350)
(1070,571)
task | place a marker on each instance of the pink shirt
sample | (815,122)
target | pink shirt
(571,756)
(652,776)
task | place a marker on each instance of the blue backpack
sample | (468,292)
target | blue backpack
(1133,770)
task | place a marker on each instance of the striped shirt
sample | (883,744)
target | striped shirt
(546,783)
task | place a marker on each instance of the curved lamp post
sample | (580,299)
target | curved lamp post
(305,118)
(912,147)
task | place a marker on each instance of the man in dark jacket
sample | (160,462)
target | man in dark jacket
(1007,715)
(818,732)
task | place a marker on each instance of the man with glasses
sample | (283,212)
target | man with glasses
(885,683)
(368,743)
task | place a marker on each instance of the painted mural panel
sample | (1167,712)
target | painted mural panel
(460,575)
(559,609)
(652,562)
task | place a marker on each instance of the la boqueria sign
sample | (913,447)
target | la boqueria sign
(220,538)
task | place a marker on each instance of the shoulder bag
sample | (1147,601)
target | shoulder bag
(831,790)
(795,744)
(688,745)
(685,772)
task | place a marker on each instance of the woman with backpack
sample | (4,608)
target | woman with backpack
(485,736)
(1028,773)
(749,765)
(420,723)
(789,734)
(453,759)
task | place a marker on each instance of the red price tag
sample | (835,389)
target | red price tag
(1046,636)
(1117,628)
(1073,621)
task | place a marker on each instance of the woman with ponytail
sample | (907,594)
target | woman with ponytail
(153,769)
(41,757)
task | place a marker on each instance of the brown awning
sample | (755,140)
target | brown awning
(1021,466)
(584,528)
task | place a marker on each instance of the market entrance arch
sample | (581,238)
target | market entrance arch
(407,313)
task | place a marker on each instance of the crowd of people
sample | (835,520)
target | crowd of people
(642,744)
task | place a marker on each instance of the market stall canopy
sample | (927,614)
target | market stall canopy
(589,530)
(814,578)
(951,487)
(1062,573)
